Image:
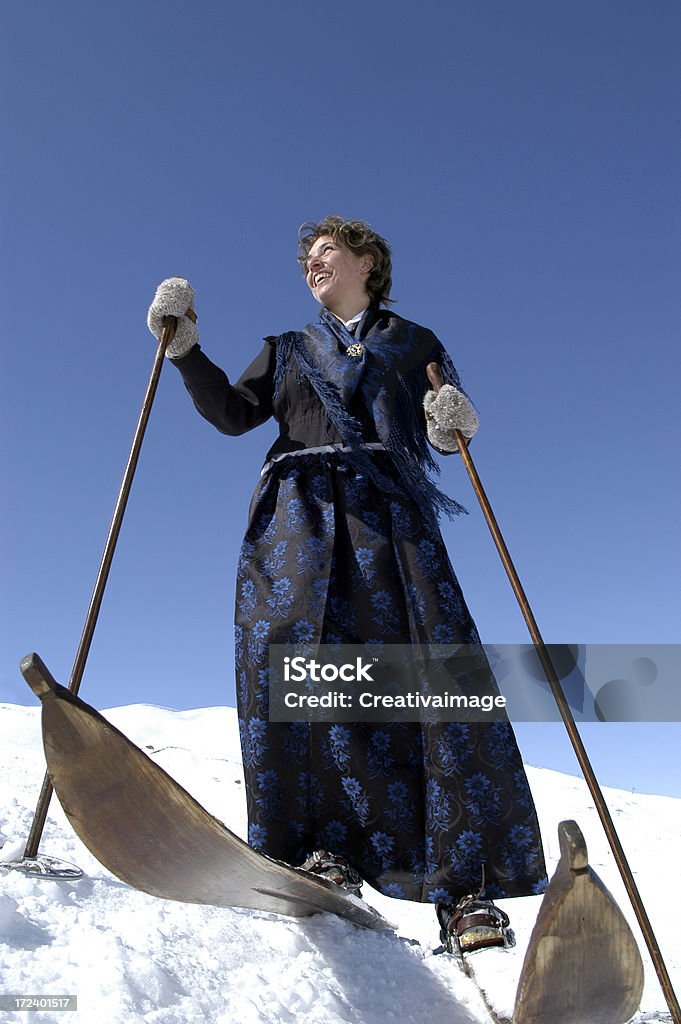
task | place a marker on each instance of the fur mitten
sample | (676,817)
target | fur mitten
(174,297)
(447,410)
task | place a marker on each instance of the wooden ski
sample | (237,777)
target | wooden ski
(151,833)
(582,963)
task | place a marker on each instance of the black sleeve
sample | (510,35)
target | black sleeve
(231,408)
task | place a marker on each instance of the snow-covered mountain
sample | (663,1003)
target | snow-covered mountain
(131,958)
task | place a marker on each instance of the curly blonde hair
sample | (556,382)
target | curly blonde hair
(359,238)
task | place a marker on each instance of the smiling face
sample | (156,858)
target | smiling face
(337,277)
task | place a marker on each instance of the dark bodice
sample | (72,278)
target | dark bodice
(236,408)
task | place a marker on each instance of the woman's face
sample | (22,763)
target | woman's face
(337,277)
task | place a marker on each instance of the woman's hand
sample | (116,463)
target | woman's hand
(447,409)
(174,297)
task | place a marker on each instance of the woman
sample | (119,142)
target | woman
(343,546)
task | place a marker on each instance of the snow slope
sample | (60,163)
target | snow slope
(131,958)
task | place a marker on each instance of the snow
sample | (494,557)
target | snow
(132,958)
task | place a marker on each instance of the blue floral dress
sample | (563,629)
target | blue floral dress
(420,810)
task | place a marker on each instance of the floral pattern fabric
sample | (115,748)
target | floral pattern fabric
(420,810)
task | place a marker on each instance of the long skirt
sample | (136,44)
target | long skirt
(422,811)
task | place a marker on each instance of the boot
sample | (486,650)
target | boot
(335,869)
(473,924)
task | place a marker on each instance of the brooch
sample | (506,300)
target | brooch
(357,349)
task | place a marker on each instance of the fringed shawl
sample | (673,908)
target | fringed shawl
(390,378)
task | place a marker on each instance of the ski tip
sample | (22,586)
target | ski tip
(572,846)
(37,675)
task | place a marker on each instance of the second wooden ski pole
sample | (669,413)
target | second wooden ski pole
(573,733)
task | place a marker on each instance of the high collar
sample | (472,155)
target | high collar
(353,321)
(367,317)
(366,321)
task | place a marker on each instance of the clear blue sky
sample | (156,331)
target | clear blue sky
(524,160)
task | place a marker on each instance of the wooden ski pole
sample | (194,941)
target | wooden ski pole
(573,733)
(33,842)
